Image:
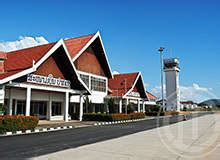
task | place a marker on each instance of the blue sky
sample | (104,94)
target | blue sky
(132,32)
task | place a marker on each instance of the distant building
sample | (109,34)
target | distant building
(160,102)
(188,105)
(151,99)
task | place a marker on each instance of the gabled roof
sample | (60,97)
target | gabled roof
(150,96)
(22,62)
(76,46)
(23,59)
(122,84)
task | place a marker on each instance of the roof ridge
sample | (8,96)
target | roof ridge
(50,43)
(30,47)
(92,34)
(127,73)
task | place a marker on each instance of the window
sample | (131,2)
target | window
(21,106)
(38,108)
(85,79)
(56,108)
(98,84)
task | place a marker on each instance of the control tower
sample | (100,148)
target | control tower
(171,69)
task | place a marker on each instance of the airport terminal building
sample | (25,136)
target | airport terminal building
(51,81)
(40,81)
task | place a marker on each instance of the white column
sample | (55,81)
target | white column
(10,102)
(89,82)
(93,108)
(126,106)
(2,95)
(49,107)
(28,101)
(120,106)
(16,103)
(80,107)
(66,109)
(139,106)
(143,106)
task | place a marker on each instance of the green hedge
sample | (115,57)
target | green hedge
(154,113)
(111,117)
(17,123)
(97,117)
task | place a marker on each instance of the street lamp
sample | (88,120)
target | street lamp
(161,49)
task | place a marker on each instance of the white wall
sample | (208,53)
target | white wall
(96,97)
(172,89)
(20,94)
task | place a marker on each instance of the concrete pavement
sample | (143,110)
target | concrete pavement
(198,138)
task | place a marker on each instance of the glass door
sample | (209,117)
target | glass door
(39,109)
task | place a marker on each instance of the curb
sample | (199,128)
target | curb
(129,121)
(119,122)
(35,131)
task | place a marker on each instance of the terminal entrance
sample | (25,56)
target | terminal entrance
(39,109)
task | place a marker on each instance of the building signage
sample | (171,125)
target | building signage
(134,94)
(49,80)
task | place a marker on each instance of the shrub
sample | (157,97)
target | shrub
(172,113)
(74,116)
(97,117)
(2,109)
(111,117)
(120,116)
(17,123)
(156,108)
(112,107)
(137,115)
(130,108)
(154,113)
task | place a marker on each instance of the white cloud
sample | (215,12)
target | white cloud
(23,42)
(194,92)
(146,85)
(115,72)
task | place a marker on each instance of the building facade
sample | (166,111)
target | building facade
(56,80)
(188,105)
(39,81)
(128,92)
(151,101)
(90,59)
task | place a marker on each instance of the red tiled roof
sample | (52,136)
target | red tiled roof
(19,60)
(7,74)
(151,96)
(23,59)
(74,45)
(186,102)
(3,55)
(117,83)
